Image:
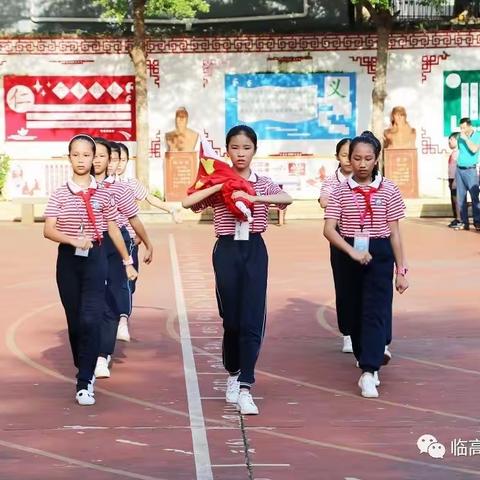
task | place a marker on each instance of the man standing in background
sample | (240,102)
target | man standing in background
(466,176)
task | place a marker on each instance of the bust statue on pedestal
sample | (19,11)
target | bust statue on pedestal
(182,139)
(400,134)
(401,154)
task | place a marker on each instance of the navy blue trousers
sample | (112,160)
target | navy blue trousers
(343,306)
(81,284)
(117,298)
(369,291)
(133,249)
(241,270)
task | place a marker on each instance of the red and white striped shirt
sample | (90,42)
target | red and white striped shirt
(347,206)
(71,213)
(224,221)
(123,197)
(331,182)
(140,192)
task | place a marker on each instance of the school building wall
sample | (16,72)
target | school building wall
(433,75)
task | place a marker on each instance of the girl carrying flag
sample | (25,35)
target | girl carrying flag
(240,263)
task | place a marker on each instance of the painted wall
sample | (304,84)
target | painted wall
(195,72)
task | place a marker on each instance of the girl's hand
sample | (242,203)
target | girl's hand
(176,213)
(240,194)
(363,258)
(147,257)
(401,283)
(131,272)
(84,243)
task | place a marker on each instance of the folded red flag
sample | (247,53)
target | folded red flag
(212,171)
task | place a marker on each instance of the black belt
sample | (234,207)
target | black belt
(466,168)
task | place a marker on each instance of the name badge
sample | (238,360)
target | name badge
(80,252)
(361,241)
(242,231)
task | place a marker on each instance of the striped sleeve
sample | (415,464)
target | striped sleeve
(271,188)
(53,208)
(126,203)
(395,205)
(110,211)
(139,190)
(327,187)
(200,206)
(334,207)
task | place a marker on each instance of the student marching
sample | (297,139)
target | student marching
(76,217)
(140,193)
(240,263)
(343,306)
(362,222)
(118,302)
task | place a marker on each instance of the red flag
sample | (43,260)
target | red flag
(212,171)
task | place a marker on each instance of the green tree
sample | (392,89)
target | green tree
(138,10)
(382,15)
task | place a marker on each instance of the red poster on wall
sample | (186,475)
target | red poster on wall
(53,108)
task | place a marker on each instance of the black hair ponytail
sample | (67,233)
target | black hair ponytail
(369,138)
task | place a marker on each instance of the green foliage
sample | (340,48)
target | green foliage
(4,167)
(120,9)
(157,193)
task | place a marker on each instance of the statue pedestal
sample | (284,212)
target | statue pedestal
(401,168)
(180,173)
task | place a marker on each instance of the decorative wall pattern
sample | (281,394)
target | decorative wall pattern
(240,44)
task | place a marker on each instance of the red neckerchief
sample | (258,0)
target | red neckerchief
(367,195)
(86,196)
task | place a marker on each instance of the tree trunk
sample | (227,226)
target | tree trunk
(139,59)
(379,92)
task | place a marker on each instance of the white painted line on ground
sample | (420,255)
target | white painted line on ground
(253,465)
(197,422)
(129,442)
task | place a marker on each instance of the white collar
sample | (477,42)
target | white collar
(75,188)
(375,184)
(340,176)
(253,177)
(110,179)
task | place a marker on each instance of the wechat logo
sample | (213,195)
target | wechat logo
(429,444)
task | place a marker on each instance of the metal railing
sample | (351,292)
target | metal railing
(417,10)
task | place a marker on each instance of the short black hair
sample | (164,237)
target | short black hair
(340,144)
(125,149)
(82,137)
(369,138)
(246,130)
(105,143)
(115,147)
(465,120)
(454,135)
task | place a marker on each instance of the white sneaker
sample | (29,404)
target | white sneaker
(376,378)
(347,344)
(367,385)
(122,333)
(101,370)
(233,389)
(84,397)
(387,355)
(245,404)
(91,386)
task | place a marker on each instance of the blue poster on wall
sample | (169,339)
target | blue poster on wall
(293,106)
